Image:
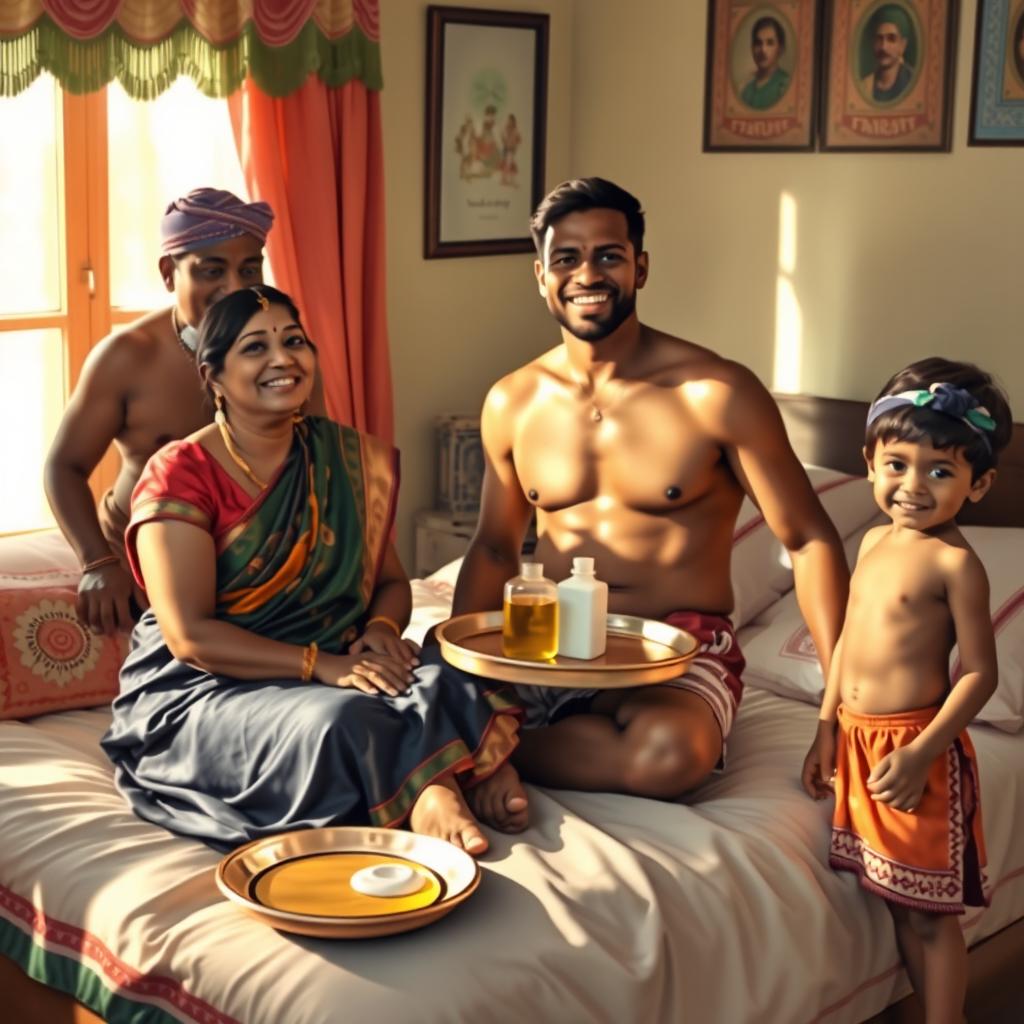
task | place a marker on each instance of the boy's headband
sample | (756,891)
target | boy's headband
(947,399)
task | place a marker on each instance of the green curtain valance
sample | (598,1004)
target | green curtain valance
(146,44)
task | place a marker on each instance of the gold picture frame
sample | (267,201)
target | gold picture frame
(889,70)
(760,91)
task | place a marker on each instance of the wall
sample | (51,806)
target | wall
(898,256)
(456,325)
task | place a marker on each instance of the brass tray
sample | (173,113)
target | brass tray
(640,652)
(239,877)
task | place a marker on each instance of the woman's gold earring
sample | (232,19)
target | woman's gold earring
(218,405)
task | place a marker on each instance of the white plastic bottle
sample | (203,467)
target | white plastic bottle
(582,612)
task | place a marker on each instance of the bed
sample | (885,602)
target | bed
(719,909)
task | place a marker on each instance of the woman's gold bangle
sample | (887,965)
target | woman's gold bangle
(309,661)
(387,622)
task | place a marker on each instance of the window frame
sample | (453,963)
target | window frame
(85,315)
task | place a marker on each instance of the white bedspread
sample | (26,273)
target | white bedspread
(718,911)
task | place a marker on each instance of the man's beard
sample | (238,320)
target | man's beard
(593,331)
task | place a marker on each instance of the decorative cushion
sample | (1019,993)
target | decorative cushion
(781,656)
(49,661)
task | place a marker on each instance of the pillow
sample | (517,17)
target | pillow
(431,602)
(761,569)
(781,656)
(44,556)
(49,661)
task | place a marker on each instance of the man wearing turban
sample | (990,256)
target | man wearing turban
(139,389)
(889,29)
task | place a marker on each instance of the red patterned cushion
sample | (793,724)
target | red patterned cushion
(48,660)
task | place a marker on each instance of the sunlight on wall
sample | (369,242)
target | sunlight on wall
(789,323)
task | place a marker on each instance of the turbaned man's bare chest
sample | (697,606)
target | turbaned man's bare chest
(166,401)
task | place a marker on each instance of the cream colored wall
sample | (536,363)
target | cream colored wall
(456,325)
(898,256)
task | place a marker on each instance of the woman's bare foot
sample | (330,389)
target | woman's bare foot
(500,800)
(441,811)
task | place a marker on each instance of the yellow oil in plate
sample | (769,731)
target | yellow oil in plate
(530,628)
(321,885)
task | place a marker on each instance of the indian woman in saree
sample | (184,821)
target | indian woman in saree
(268,686)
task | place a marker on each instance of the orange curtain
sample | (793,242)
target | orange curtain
(316,155)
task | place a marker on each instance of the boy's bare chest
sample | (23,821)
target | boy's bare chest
(897,589)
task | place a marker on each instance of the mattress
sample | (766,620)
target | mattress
(719,909)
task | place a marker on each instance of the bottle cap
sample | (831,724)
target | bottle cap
(533,570)
(583,566)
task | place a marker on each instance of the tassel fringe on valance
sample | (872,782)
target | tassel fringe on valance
(146,69)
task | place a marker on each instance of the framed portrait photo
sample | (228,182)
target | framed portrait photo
(997,90)
(486,107)
(889,74)
(760,75)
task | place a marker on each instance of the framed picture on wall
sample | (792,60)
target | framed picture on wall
(889,74)
(997,90)
(486,107)
(760,75)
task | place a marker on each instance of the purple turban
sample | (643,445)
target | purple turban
(209,215)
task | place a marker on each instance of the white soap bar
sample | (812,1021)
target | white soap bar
(387,880)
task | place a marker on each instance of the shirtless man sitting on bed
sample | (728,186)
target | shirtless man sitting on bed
(140,388)
(636,448)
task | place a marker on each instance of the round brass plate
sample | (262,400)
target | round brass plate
(640,652)
(274,879)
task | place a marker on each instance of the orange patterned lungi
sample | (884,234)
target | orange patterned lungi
(931,859)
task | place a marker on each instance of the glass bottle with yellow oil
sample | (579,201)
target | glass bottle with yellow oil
(530,626)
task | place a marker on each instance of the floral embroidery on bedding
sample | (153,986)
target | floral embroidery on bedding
(53,643)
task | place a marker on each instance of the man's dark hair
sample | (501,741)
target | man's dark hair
(225,320)
(580,194)
(917,424)
(769,22)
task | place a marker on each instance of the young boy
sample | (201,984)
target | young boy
(907,817)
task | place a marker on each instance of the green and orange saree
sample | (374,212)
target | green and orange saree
(228,760)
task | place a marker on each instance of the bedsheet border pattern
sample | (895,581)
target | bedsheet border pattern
(71,960)
(68,958)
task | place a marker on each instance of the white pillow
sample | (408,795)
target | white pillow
(761,569)
(42,554)
(432,600)
(781,656)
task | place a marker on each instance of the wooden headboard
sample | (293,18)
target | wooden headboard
(830,432)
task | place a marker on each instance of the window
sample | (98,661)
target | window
(84,181)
